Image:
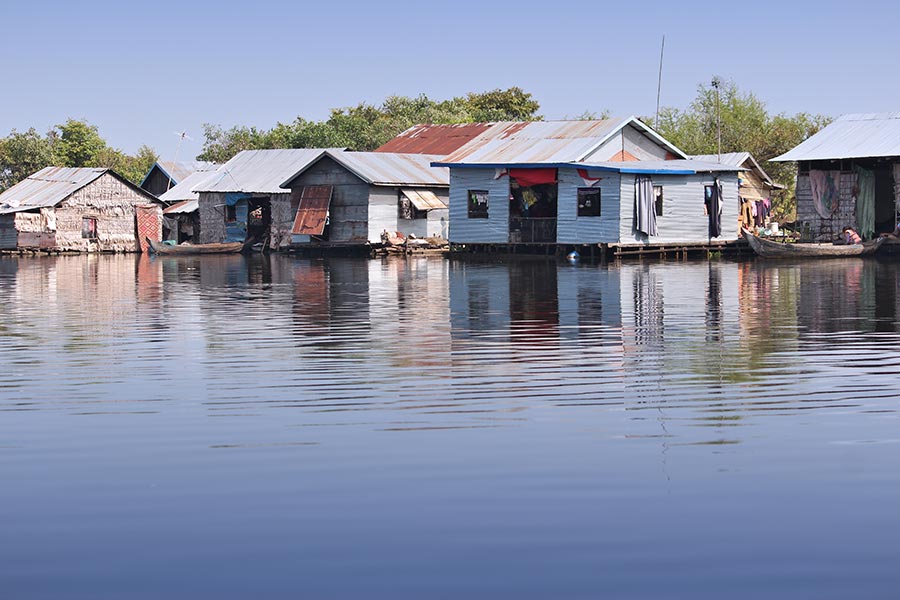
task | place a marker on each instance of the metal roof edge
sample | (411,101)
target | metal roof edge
(655,134)
(623,122)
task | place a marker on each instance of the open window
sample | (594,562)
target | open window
(588,202)
(658,199)
(478,204)
(89,228)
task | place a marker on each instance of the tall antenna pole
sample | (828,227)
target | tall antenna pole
(659,82)
(181,137)
(716,82)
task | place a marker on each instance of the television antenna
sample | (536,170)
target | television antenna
(182,135)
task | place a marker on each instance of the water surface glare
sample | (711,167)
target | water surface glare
(235,427)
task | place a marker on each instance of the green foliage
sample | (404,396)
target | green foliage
(72,144)
(78,144)
(746,126)
(22,154)
(366,127)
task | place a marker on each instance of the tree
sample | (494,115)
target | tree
(365,127)
(746,127)
(22,154)
(78,144)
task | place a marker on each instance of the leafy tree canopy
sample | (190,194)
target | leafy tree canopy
(747,126)
(75,143)
(366,127)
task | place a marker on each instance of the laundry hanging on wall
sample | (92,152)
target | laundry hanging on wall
(826,191)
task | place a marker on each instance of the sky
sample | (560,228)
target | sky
(144,71)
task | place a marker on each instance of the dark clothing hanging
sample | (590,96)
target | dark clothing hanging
(713,201)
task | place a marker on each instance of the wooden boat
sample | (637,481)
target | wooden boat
(771,249)
(185,249)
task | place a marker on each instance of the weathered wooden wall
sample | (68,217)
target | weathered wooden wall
(349,212)
(212,217)
(157,182)
(282,221)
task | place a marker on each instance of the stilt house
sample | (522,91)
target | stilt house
(244,200)
(78,209)
(352,198)
(848,174)
(181,219)
(614,182)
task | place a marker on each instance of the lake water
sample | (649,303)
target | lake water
(231,427)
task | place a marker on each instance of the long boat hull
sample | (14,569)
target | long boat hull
(770,249)
(185,249)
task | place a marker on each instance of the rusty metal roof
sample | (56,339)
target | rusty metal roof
(48,187)
(386,169)
(869,135)
(184,190)
(547,141)
(434,139)
(312,214)
(183,207)
(260,171)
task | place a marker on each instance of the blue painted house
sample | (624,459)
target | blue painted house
(614,182)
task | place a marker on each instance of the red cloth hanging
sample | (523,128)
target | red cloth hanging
(530,177)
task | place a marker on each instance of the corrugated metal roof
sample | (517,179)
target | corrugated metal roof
(260,171)
(662,167)
(868,135)
(48,187)
(546,141)
(184,207)
(424,199)
(738,159)
(178,171)
(184,190)
(434,139)
(384,168)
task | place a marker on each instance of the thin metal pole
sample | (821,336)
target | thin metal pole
(659,82)
(716,82)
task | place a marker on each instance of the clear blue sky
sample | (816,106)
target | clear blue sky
(143,70)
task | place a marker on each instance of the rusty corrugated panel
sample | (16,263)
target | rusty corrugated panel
(183,207)
(434,139)
(313,210)
(423,199)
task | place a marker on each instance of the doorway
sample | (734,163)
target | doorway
(259,220)
(885,212)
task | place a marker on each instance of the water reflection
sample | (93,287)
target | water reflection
(572,427)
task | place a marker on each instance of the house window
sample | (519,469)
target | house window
(478,204)
(89,228)
(408,211)
(658,196)
(230,213)
(588,202)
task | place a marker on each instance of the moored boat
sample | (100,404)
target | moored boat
(771,249)
(184,249)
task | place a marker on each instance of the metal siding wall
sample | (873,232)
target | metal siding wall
(683,220)
(572,229)
(383,213)
(8,235)
(494,229)
(439,220)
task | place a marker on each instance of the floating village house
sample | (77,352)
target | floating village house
(181,219)
(78,209)
(848,174)
(352,198)
(244,200)
(755,187)
(613,182)
(166,174)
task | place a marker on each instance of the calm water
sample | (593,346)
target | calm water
(230,427)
